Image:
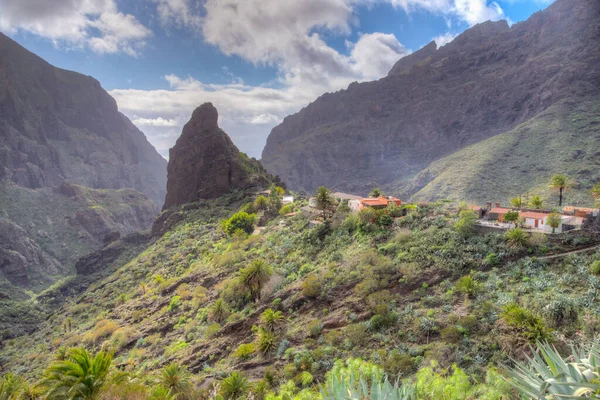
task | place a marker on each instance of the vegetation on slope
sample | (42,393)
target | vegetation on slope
(415,297)
(563,138)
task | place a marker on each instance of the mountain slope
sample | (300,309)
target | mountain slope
(205,164)
(58,125)
(487,81)
(565,138)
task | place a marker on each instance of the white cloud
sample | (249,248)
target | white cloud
(97,23)
(155,121)
(469,11)
(183,13)
(265,118)
(444,39)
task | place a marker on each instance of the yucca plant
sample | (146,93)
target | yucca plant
(547,375)
(516,237)
(235,386)
(266,341)
(271,319)
(339,387)
(176,379)
(254,276)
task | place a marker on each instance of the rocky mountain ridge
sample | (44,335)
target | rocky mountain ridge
(205,164)
(58,125)
(435,102)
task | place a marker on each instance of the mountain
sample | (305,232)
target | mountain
(58,125)
(491,79)
(205,164)
(520,161)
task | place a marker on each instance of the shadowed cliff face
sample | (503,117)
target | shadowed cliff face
(205,164)
(436,101)
(58,125)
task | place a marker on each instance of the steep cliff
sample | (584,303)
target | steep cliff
(435,102)
(205,164)
(58,125)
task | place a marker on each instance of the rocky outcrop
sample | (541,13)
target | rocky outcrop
(58,125)
(205,164)
(435,102)
(21,259)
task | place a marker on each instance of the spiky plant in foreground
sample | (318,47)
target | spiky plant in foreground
(351,388)
(235,386)
(176,379)
(10,387)
(547,375)
(80,376)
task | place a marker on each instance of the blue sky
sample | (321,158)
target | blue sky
(256,60)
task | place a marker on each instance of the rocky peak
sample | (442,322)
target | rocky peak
(406,63)
(205,164)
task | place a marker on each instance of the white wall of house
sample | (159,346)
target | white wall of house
(354,205)
(287,200)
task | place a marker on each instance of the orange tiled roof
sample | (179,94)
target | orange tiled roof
(499,210)
(533,215)
(380,201)
(584,209)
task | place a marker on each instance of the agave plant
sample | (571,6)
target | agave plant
(546,375)
(350,388)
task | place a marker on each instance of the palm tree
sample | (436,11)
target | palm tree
(271,320)
(219,311)
(254,276)
(375,193)
(536,202)
(516,202)
(516,237)
(561,183)
(11,386)
(554,220)
(176,379)
(324,199)
(78,377)
(235,386)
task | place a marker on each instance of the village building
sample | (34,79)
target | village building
(373,202)
(498,213)
(345,196)
(287,199)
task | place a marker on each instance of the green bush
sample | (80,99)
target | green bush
(240,220)
(595,268)
(244,351)
(529,324)
(467,285)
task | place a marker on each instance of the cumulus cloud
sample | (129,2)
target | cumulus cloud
(96,23)
(288,35)
(444,39)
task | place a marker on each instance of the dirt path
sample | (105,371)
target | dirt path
(568,253)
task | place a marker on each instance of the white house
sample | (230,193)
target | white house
(537,220)
(287,200)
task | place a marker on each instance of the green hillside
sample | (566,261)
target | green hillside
(411,296)
(563,139)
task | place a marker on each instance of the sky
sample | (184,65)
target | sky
(257,61)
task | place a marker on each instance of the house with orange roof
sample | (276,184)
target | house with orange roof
(373,202)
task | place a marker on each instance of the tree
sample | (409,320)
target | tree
(324,199)
(235,386)
(176,379)
(81,376)
(466,223)
(536,202)
(219,311)
(561,183)
(516,202)
(239,221)
(375,193)
(554,220)
(511,216)
(254,276)
(261,203)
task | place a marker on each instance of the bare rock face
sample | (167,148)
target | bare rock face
(437,101)
(58,125)
(205,164)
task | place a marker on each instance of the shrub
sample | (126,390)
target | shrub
(451,334)
(467,285)
(466,223)
(595,268)
(266,341)
(212,330)
(103,328)
(314,328)
(311,287)
(357,334)
(511,216)
(174,304)
(244,351)
(285,210)
(240,220)
(531,326)
(491,260)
